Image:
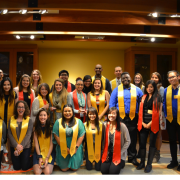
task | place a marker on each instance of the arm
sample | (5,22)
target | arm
(33,93)
(161,92)
(88,100)
(35,107)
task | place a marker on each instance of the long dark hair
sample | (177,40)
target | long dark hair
(11,92)
(72,121)
(159,84)
(20,83)
(37,125)
(118,118)
(101,88)
(94,111)
(155,94)
(46,87)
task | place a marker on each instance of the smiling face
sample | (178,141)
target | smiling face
(87,83)
(155,78)
(20,109)
(35,76)
(6,86)
(112,115)
(43,91)
(68,113)
(137,79)
(150,89)
(58,86)
(97,84)
(126,79)
(118,72)
(79,85)
(98,69)
(25,82)
(43,117)
(64,76)
(173,78)
(92,116)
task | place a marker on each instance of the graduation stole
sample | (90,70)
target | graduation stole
(103,79)
(117,146)
(44,144)
(1,129)
(121,101)
(76,104)
(62,137)
(10,109)
(93,155)
(41,102)
(142,87)
(114,84)
(155,117)
(101,102)
(169,104)
(69,87)
(24,128)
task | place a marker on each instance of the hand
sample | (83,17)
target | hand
(40,162)
(16,153)
(52,108)
(68,151)
(46,162)
(149,125)
(144,125)
(46,106)
(19,147)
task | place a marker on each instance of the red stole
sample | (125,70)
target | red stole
(117,146)
(69,87)
(155,117)
(21,97)
(76,105)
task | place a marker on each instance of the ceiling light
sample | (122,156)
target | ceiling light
(4,11)
(155,14)
(32,37)
(153,39)
(174,15)
(18,37)
(42,11)
(23,11)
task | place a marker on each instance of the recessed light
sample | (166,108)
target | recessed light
(42,11)
(155,14)
(23,11)
(153,39)
(32,37)
(18,37)
(4,11)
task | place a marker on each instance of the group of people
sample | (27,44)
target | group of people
(96,120)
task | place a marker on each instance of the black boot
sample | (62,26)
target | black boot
(148,167)
(143,156)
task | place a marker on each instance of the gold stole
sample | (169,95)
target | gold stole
(24,128)
(103,79)
(121,101)
(10,109)
(41,102)
(62,137)
(113,84)
(44,144)
(101,102)
(142,87)
(93,155)
(169,105)
(1,129)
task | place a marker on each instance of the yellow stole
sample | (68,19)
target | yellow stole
(62,137)
(121,101)
(1,129)
(142,87)
(103,79)
(44,144)
(101,102)
(24,128)
(113,84)
(10,110)
(93,155)
(169,104)
(41,102)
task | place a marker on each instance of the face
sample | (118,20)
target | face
(1,74)
(126,79)
(150,89)
(20,109)
(98,69)
(79,85)
(58,86)
(35,76)
(92,116)
(6,86)
(64,76)
(173,78)
(87,83)
(137,79)
(155,78)
(25,82)
(43,91)
(68,113)
(112,115)
(97,85)
(43,117)
(118,72)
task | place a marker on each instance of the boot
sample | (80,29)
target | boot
(143,156)
(156,156)
(148,167)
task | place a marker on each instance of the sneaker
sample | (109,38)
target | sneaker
(6,157)
(172,165)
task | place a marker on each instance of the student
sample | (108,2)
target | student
(106,84)
(19,134)
(138,81)
(44,155)
(93,139)
(79,100)
(87,84)
(58,98)
(126,97)
(115,144)
(117,81)
(24,91)
(99,99)
(68,136)
(148,122)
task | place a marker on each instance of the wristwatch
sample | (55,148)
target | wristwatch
(39,156)
(77,147)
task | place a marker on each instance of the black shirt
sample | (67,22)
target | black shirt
(110,147)
(27,99)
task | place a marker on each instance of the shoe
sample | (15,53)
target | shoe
(156,156)
(172,165)
(6,157)
(148,168)
(134,162)
(178,169)
(143,156)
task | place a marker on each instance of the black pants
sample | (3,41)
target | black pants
(89,165)
(132,127)
(1,154)
(22,161)
(173,128)
(111,168)
(143,138)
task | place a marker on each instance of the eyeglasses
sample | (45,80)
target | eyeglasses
(79,84)
(172,77)
(63,75)
(138,78)
(20,107)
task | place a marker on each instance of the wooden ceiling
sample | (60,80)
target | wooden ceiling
(92,16)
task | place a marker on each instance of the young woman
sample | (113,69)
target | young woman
(24,91)
(44,156)
(93,138)
(87,84)
(68,136)
(19,134)
(138,81)
(41,101)
(79,100)
(148,122)
(58,98)
(115,144)
(36,80)
(99,99)
(156,77)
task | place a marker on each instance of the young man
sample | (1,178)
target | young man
(117,81)
(106,85)
(171,106)
(126,97)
